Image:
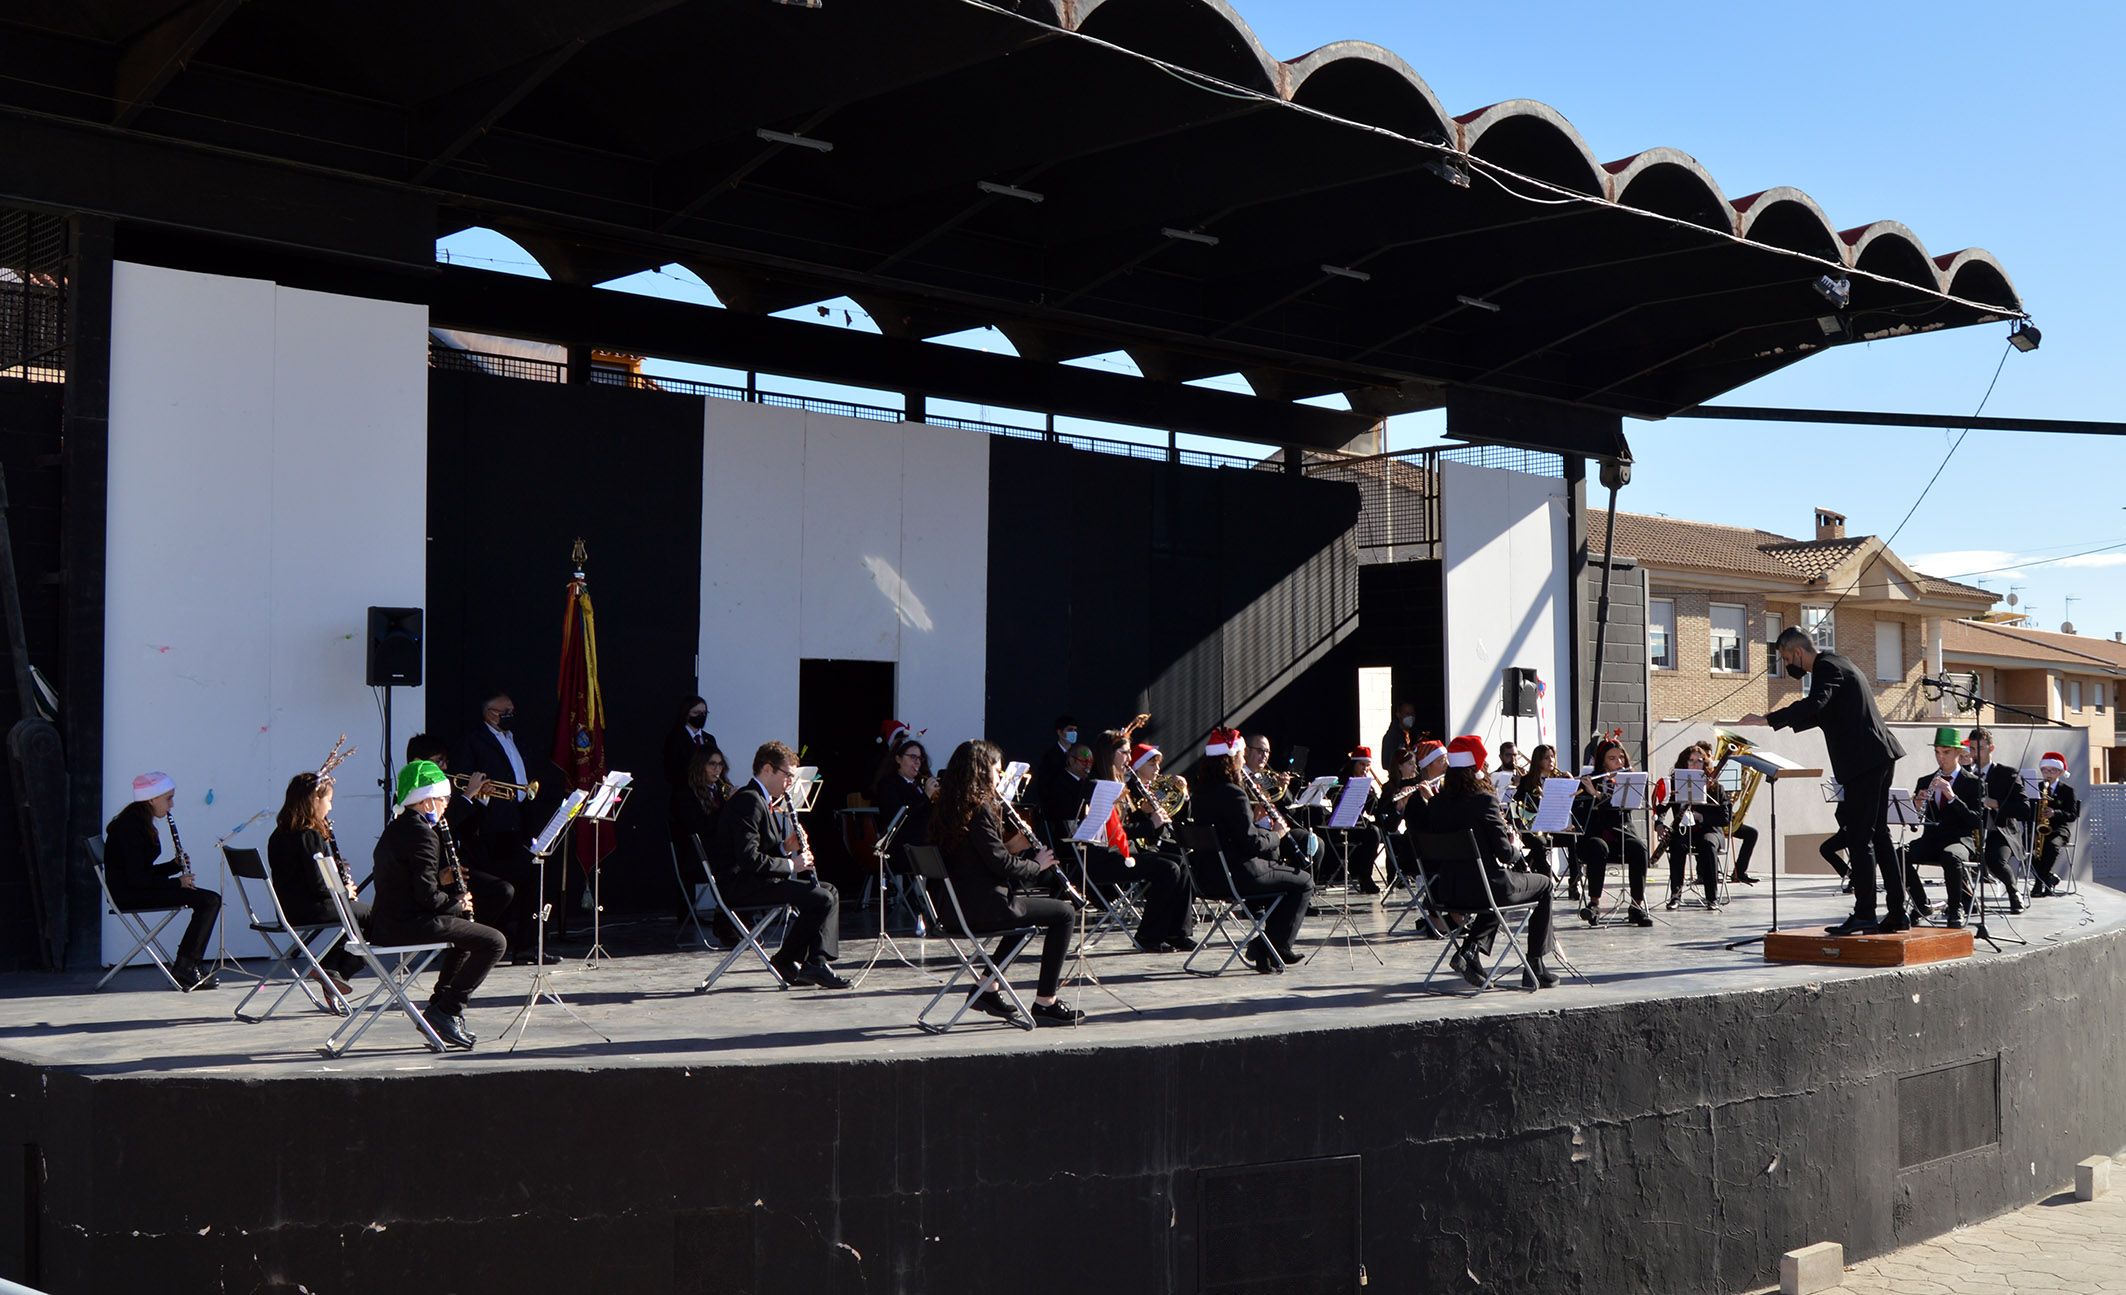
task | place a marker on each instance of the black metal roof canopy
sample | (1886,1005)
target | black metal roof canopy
(1328,248)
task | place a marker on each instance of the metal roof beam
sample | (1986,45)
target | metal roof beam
(150,61)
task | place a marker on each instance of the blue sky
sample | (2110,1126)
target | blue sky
(1975,124)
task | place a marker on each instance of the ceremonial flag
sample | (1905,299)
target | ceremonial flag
(579,722)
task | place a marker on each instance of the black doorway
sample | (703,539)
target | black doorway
(840,706)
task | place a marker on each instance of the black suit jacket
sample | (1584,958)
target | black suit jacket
(749,838)
(1841,703)
(1063,799)
(2004,786)
(291,857)
(1953,822)
(679,750)
(986,876)
(1497,845)
(2066,807)
(409,864)
(130,849)
(480,752)
(1249,850)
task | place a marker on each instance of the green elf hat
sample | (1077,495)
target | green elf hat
(422,780)
(1946,736)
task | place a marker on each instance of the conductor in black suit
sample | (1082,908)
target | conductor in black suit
(760,860)
(1864,757)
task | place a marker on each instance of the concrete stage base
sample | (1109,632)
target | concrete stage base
(1674,1126)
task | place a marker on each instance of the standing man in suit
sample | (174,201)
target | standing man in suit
(505,819)
(1049,772)
(2006,802)
(760,859)
(1864,757)
(1401,732)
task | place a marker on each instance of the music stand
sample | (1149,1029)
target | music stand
(1091,830)
(1687,789)
(882,849)
(603,807)
(1349,806)
(1776,769)
(542,976)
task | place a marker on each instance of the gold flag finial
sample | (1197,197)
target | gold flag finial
(577,555)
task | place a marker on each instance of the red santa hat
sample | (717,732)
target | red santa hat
(2053,760)
(1141,752)
(1467,752)
(893,732)
(1430,752)
(1222,741)
(1358,753)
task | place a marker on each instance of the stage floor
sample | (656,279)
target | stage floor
(645,1001)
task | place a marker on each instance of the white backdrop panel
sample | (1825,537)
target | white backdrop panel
(267,485)
(1507,585)
(883,557)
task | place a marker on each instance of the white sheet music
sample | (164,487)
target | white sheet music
(1315,791)
(804,788)
(1555,813)
(1687,787)
(1092,829)
(1502,784)
(1629,791)
(1012,780)
(562,816)
(603,802)
(1833,791)
(2032,783)
(1351,804)
(1903,811)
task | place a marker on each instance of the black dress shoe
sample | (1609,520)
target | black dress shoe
(1892,925)
(1921,909)
(1587,914)
(818,973)
(1056,1013)
(1537,974)
(450,1029)
(1465,962)
(1260,959)
(1953,920)
(530,958)
(1743,879)
(1637,916)
(1856,925)
(1181,944)
(994,1003)
(2015,902)
(1675,902)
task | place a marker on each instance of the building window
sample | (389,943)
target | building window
(2074,694)
(1889,651)
(1730,624)
(1817,621)
(1773,622)
(2099,698)
(1661,633)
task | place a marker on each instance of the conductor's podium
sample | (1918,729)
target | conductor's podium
(1921,944)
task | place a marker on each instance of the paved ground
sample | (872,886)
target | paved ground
(2060,1246)
(644,1000)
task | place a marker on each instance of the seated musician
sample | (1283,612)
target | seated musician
(1249,838)
(2054,813)
(1607,832)
(1257,757)
(905,781)
(301,833)
(992,867)
(1362,841)
(1062,795)
(2006,802)
(424,897)
(1510,760)
(1141,848)
(494,901)
(131,850)
(1467,802)
(760,859)
(1693,830)
(704,789)
(1951,800)
(1403,796)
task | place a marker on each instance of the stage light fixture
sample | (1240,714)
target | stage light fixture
(795,141)
(1838,291)
(1832,326)
(2023,335)
(1191,236)
(1346,272)
(1451,170)
(1009,191)
(1478,302)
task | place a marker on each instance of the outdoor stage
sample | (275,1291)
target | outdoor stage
(1672,1126)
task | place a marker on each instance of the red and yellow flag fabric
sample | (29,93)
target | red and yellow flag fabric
(579,723)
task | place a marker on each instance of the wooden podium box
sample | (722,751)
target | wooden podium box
(1911,948)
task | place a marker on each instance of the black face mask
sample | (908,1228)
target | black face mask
(505,720)
(698,720)
(1795,672)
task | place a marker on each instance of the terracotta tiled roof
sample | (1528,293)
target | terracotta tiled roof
(2073,650)
(1707,546)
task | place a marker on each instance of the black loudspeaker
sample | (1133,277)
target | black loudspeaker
(1517,692)
(394,647)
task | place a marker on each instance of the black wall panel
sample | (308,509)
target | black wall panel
(518,470)
(29,451)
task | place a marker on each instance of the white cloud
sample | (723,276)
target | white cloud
(1951,561)
(2094,560)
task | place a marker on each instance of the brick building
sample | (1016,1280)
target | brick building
(2070,678)
(1717,595)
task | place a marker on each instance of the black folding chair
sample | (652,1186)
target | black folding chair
(1459,850)
(966,946)
(395,966)
(749,933)
(288,943)
(1215,882)
(146,938)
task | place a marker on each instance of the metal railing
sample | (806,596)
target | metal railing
(497,365)
(32,295)
(1399,492)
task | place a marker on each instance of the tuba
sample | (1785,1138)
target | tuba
(1726,745)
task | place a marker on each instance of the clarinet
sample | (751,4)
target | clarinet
(1018,824)
(332,847)
(459,888)
(177,844)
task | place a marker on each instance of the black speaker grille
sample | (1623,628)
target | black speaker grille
(1947,1111)
(1296,1226)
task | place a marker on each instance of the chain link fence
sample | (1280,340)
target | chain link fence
(32,295)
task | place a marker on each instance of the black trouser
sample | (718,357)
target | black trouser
(474,951)
(1747,836)
(510,857)
(1997,848)
(1864,820)
(1833,851)
(1295,889)
(490,895)
(340,962)
(1595,855)
(816,930)
(1357,850)
(2046,864)
(1953,858)
(1701,842)
(206,910)
(1462,896)
(1168,896)
(1055,917)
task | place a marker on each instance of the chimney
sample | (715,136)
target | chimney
(1829,525)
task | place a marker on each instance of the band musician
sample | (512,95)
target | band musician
(761,858)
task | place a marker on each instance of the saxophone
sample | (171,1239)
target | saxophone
(2044,822)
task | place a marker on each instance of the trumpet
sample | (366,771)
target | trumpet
(491,788)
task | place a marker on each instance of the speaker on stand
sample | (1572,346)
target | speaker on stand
(1517,697)
(394,661)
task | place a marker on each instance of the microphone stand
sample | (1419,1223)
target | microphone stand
(222,960)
